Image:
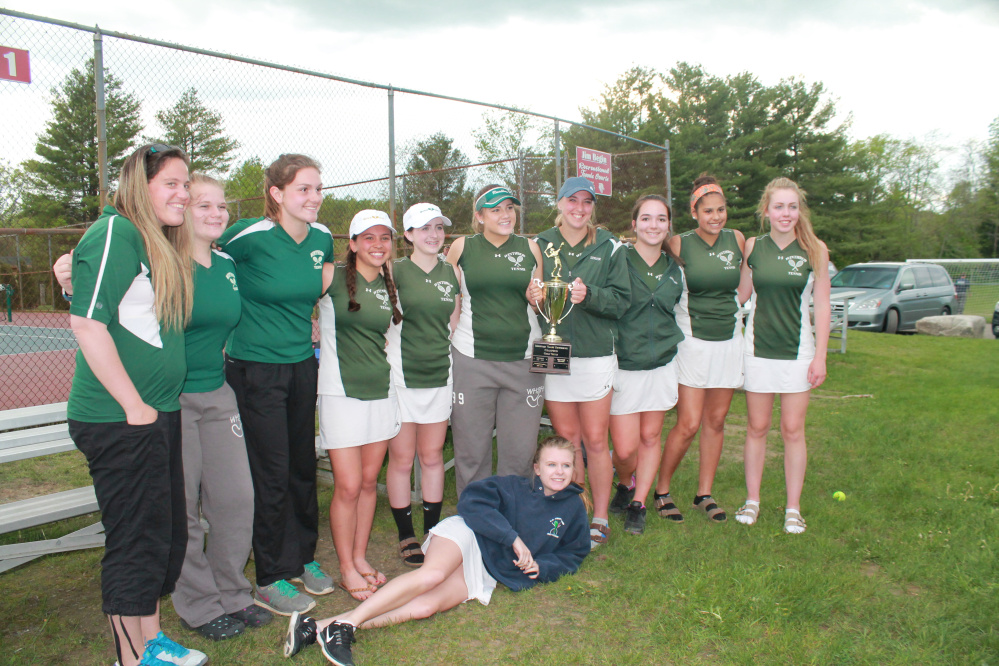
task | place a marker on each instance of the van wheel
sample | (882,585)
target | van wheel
(891,321)
(946,311)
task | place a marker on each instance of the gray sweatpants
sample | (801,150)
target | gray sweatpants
(500,394)
(217,473)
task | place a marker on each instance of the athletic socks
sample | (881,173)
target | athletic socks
(404,522)
(431,515)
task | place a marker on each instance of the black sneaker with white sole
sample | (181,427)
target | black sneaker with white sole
(634,522)
(335,641)
(622,498)
(301,632)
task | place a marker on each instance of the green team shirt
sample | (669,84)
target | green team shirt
(215,313)
(779,325)
(112,285)
(648,332)
(496,323)
(279,282)
(710,309)
(419,347)
(591,326)
(353,361)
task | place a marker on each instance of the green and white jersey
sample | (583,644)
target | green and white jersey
(112,285)
(591,326)
(279,282)
(648,332)
(496,323)
(353,361)
(215,313)
(419,347)
(779,325)
(709,309)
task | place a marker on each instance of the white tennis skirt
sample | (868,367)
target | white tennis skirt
(637,391)
(425,405)
(346,422)
(589,379)
(478,581)
(705,364)
(768,375)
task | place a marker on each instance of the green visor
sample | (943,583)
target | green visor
(493,197)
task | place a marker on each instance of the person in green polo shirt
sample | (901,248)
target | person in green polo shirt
(709,360)
(419,349)
(271,366)
(358,410)
(491,346)
(595,264)
(132,297)
(645,386)
(785,268)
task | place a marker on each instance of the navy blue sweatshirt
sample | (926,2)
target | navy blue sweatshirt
(555,529)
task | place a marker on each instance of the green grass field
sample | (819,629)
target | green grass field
(904,571)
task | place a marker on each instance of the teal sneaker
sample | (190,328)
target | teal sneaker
(282,598)
(161,651)
(314,580)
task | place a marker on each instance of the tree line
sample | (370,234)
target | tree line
(877,198)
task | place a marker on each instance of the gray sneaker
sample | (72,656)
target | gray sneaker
(282,598)
(314,579)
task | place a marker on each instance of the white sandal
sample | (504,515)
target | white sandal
(793,522)
(749,512)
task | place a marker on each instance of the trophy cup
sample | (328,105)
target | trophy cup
(550,355)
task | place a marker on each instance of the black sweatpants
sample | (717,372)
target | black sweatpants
(138,474)
(277,404)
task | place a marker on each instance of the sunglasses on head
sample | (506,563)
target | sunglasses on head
(160,148)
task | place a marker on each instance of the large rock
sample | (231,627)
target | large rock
(952,326)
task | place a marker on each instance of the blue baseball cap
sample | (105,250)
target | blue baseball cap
(576,184)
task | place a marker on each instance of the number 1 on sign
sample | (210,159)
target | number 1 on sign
(11,63)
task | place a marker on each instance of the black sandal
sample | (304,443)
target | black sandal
(708,506)
(219,629)
(410,552)
(667,509)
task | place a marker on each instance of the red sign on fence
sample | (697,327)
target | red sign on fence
(14,65)
(596,166)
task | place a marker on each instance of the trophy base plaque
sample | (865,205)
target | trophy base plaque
(551,358)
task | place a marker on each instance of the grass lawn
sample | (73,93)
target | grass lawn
(904,571)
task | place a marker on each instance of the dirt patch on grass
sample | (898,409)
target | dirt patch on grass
(874,570)
(14,490)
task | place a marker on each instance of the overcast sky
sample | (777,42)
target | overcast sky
(908,68)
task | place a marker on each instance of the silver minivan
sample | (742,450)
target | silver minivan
(892,296)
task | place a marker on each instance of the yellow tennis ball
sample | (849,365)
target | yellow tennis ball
(839,496)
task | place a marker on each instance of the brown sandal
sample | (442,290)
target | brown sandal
(708,506)
(667,509)
(356,591)
(598,534)
(410,552)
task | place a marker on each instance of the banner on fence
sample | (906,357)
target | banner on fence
(596,166)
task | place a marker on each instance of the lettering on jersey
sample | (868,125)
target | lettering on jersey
(231,277)
(535,396)
(556,523)
(596,258)
(317,259)
(516,258)
(445,288)
(382,297)
(794,261)
(727,256)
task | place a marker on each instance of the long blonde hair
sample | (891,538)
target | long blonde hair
(803,231)
(559,442)
(591,224)
(168,248)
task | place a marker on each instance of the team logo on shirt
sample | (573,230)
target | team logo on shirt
(556,523)
(516,258)
(445,288)
(535,396)
(317,259)
(383,298)
(727,256)
(795,262)
(231,277)
(237,425)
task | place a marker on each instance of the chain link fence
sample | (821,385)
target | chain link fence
(95,95)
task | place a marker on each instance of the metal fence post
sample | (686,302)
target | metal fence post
(520,191)
(391,137)
(669,178)
(20,271)
(51,275)
(558,159)
(102,136)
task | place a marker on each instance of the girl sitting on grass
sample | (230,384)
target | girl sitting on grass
(509,529)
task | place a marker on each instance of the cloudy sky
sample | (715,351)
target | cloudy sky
(908,68)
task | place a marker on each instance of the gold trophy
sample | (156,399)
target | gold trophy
(550,355)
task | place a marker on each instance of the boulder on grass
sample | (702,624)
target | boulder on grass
(952,326)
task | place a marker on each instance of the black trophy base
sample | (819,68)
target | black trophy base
(551,358)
